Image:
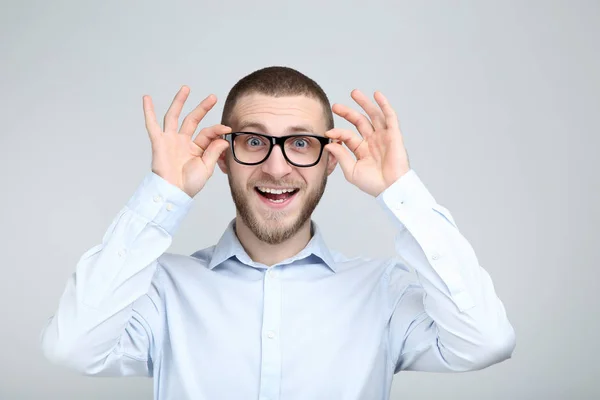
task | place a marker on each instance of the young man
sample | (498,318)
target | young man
(270,312)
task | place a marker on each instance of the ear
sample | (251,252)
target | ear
(331,163)
(222,162)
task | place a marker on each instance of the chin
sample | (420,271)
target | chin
(273,226)
(273,231)
(274,219)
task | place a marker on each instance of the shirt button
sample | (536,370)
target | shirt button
(272,272)
(169,207)
(122,252)
(270,334)
(157,199)
(435,255)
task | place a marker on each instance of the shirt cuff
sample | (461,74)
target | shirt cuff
(408,190)
(160,202)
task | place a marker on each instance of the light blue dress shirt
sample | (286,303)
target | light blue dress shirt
(319,325)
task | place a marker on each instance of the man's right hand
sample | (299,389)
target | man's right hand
(177,158)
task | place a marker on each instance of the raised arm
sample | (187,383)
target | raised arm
(450,319)
(108,320)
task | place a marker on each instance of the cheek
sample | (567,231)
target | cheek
(244,175)
(236,176)
(312,179)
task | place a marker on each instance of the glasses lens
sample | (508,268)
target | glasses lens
(250,148)
(303,150)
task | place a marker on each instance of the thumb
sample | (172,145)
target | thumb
(344,157)
(212,153)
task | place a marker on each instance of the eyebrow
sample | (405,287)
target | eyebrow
(262,128)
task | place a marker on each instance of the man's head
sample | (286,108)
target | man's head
(276,101)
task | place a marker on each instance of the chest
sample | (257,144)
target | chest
(267,328)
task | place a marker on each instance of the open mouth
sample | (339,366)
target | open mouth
(276,196)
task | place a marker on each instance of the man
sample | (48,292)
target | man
(270,312)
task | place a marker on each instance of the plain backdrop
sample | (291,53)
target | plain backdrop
(498,103)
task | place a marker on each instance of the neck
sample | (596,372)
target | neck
(271,254)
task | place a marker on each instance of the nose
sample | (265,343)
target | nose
(276,164)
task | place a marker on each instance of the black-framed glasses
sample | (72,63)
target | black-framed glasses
(300,150)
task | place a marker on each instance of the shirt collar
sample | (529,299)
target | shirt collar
(229,246)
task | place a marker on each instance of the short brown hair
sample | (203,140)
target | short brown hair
(276,81)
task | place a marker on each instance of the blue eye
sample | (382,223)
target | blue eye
(301,143)
(254,141)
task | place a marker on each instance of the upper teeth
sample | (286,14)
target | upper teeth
(275,191)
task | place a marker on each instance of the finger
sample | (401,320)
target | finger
(212,153)
(351,139)
(391,119)
(171,120)
(207,135)
(152,125)
(374,113)
(357,119)
(344,157)
(191,121)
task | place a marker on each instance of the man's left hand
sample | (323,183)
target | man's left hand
(381,158)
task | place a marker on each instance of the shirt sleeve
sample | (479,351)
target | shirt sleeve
(450,319)
(108,320)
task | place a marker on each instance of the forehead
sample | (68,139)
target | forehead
(278,115)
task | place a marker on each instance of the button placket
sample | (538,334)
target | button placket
(270,380)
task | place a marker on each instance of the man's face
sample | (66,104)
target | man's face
(276,221)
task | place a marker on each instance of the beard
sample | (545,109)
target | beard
(271,227)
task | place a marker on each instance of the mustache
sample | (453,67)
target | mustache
(270,182)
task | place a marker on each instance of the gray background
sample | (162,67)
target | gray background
(498,103)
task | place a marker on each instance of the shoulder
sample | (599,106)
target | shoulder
(182,264)
(390,270)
